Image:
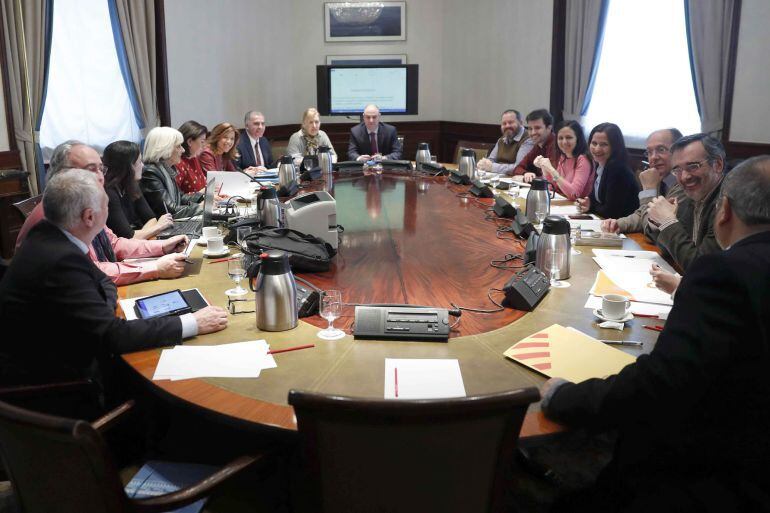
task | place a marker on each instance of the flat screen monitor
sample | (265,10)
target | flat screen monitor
(346,90)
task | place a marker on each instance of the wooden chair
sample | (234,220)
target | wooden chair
(279,148)
(481,149)
(408,455)
(26,206)
(62,465)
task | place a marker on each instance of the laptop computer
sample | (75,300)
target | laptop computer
(193,226)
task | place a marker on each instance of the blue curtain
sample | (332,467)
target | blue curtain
(690,53)
(597,56)
(48,29)
(120,48)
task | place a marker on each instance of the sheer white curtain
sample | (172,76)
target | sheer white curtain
(644,81)
(87,98)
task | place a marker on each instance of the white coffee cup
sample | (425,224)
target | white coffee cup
(615,306)
(211,231)
(215,244)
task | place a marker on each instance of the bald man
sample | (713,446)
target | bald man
(373,138)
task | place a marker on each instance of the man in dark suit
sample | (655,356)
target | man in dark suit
(254,149)
(372,138)
(57,309)
(693,416)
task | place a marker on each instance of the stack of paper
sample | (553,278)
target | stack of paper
(237,360)
(418,378)
(568,353)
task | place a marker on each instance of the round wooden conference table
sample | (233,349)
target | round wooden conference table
(407,239)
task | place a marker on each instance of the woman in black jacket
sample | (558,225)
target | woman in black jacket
(129,214)
(615,192)
(162,151)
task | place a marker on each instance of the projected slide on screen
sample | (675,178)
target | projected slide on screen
(354,88)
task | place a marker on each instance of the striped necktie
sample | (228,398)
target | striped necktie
(103,248)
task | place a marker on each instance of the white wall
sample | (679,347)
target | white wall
(229,56)
(4,142)
(497,55)
(750,120)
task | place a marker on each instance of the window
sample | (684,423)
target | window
(86,97)
(643,82)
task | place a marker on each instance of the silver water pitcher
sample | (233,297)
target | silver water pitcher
(539,198)
(269,208)
(276,293)
(287,173)
(553,248)
(423,155)
(325,159)
(467,165)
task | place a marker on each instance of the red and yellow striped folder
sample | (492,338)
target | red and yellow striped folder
(567,353)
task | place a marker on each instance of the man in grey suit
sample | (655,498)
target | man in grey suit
(372,138)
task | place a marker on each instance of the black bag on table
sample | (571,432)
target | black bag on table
(307,253)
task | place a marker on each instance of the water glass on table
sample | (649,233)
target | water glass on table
(331,307)
(236,270)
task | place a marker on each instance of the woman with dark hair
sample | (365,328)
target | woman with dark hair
(573,176)
(615,192)
(220,149)
(129,214)
(190,175)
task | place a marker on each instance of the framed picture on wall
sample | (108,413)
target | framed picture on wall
(364,21)
(365,60)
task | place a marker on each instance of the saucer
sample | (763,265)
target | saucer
(628,317)
(201,241)
(223,252)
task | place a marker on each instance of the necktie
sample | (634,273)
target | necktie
(257,154)
(373,142)
(102,247)
(663,188)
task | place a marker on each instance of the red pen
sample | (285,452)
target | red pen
(223,260)
(656,327)
(396,378)
(295,348)
(651,316)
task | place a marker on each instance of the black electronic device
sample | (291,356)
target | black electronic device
(434,168)
(348,166)
(530,252)
(456,177)
(521,227)
(481,190)
(401,323)
(526,289)
(286,191)
(504,209)
(345,90)
(503,186)
(308,301)
(174,302)
(402,165)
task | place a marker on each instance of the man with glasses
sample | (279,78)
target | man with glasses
(107,250)
(686,228)
(656,181)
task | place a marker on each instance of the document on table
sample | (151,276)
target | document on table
(236,360)
(621,259)
(637,286)
(591,225)
(637,308)
(422,378)
(563,210)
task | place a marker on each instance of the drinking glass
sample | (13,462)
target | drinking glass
(573,233)
(236,270)
(540,215)
(331,305)
(494,179)
(554,272)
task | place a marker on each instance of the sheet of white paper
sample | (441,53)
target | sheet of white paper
(639,285)
(423,378)
(563,210)
(619,259)
(236,360)
(231,184)
(593,225)
(190,247)
(637,308)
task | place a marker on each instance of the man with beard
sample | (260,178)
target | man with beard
(511,148)
(540,128)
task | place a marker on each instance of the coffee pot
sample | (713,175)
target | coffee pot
(553,248)
(467,164)
(276,293)
(325,159)
(268,207)
(423,155)
(539,198)
(287,173)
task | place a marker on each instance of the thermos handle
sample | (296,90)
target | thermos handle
(553,190)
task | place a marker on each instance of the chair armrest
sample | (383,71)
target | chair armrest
(107,421)
(204,488)
(17,391)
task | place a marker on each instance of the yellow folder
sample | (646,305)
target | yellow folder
(567,353)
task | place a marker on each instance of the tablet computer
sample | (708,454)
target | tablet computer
(162,305)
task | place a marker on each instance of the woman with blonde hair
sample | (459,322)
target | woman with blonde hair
(309,138)
(220,149)
(162,152)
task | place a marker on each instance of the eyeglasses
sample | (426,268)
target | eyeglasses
(690,167)
(96,168)
(660,150)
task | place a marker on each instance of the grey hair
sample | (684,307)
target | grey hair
(512,111)
(160,143)
(60,158)
(251,113)
(747,187)
(68,194)
(714,149)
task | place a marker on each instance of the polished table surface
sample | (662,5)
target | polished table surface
(407,239)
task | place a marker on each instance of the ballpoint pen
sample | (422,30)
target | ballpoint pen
(623,343)
(276,351)
(655,327)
